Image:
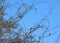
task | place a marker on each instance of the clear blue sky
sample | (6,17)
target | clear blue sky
(33,16)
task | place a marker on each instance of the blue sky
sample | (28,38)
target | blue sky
(34,16)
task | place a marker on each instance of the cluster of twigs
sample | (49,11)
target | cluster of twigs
(12,23)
